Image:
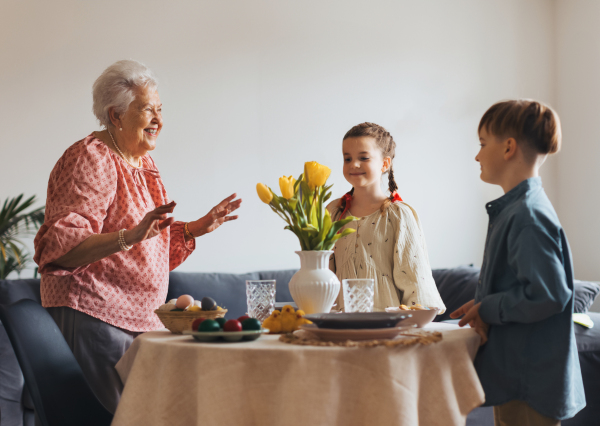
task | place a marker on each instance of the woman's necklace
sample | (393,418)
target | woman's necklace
(121,152)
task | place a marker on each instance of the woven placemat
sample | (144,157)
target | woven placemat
(420,337)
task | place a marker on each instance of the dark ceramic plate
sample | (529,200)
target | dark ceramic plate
(357,320)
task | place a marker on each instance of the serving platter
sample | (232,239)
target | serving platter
(226,336)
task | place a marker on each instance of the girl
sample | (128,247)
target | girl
(388,244)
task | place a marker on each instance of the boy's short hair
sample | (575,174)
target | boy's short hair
(531,123)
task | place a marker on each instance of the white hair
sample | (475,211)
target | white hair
(116,85)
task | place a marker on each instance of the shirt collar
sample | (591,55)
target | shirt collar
(494,207)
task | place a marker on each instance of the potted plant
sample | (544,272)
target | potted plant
(314,287)
(14,224)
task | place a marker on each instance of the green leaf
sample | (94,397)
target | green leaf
(341,234)
(311,230)
(313,216)
(325,228)
(297,183)
(339,225)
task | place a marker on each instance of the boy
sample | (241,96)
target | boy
(523,304)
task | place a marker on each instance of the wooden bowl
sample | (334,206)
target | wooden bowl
(178,321)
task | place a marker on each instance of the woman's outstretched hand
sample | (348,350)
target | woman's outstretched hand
(216,217)
(151,225)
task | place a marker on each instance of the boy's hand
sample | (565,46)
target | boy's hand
(463,309)
(471,317)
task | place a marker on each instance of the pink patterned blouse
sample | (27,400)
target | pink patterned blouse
(91,191)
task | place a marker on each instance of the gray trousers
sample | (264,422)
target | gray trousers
(97,347)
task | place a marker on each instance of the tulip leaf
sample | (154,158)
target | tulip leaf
(297,183)
(326,226)
(310,231)
(313,216)
(338,225)
(306,192)
(342,234)
(317,244)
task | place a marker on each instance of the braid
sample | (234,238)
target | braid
(392,186)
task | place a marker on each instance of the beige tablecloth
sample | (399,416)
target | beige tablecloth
(174,380)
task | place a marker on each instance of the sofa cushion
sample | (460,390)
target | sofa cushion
(588,346)
(12,397)
(456,287)
(11,378)
(585,294)
(12,291)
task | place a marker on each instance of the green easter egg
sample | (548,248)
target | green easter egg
(251,324)
(209,325)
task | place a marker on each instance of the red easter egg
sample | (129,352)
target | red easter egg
(242,318)
(232,325)
(196,323)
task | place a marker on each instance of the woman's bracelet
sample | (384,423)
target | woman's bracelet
(187,231)
(122,243)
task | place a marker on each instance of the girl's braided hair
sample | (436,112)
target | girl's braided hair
(385,142)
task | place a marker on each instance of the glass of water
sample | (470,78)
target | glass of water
(358,294)
(260,296)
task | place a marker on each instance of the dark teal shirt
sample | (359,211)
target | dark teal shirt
(526,294)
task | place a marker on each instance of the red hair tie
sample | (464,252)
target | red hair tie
(396,197)
(348,199)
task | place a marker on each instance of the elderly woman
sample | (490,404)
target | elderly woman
(107,246)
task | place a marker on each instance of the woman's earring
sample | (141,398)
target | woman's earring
(120,129)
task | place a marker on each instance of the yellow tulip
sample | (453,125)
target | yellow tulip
(264,193)
(286,184)
(316,174)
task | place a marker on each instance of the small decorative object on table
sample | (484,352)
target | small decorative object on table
(314,287)
(179,314)
(286,321)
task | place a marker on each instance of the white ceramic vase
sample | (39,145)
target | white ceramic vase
(314,287)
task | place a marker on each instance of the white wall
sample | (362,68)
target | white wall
(253,89)
(578,94)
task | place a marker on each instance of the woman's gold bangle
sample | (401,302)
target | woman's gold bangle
(187,231)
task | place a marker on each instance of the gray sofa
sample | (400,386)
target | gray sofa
(456,286)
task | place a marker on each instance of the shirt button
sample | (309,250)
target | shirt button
(479,281)
(356,245)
